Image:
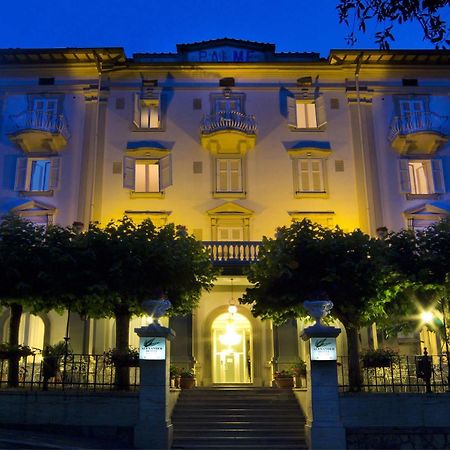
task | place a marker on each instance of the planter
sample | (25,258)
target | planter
(187,382)
(284,382)
(300,381)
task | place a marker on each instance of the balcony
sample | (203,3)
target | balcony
(420,133)
(34,131)
(234,253)
(228,131)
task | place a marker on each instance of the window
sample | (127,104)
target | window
(229,175)
(145,175)
(147,111)
(309,175)
(306,113)
(412,113)
(37,174)
(44,113)
(421,177)
(230,233)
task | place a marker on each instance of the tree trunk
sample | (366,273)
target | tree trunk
(354,370)
(14,326)
(122,343)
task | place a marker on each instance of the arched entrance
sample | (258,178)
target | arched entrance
(232,349)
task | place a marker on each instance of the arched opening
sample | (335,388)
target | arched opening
(232,349)
(31,331)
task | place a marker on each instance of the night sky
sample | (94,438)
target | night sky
(157,26)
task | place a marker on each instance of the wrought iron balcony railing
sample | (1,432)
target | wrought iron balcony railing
(228,120)
(233,252)
(415,123)
(40,121)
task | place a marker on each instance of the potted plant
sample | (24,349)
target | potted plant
(299,371)
(8,351)
(284,379)
(51,360)
(174,377)
(187,379)
(119,358)
(382,357)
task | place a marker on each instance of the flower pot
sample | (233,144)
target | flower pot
(300,381)
(187,382)
(284,382)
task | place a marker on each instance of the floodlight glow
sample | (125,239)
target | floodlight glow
(426,316)
(230,337)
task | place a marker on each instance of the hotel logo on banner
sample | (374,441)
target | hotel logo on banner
(152,348)
(323,349)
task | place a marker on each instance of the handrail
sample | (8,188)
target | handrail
(233,252)
(40,121)
(228,120)
(416,122)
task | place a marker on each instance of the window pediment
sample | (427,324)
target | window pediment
(147,149)
(230,209)
(315,149)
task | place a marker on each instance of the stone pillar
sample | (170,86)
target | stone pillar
(286,338)
(323,429)
(154,427)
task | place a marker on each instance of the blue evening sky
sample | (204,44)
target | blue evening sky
(157,26)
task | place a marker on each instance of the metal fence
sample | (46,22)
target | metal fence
(401,375)
(78,371)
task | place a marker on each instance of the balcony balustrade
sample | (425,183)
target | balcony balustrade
(228,120)
(233,252)
(37,130)
(418,133)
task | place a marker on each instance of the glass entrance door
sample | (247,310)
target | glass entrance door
(232,349)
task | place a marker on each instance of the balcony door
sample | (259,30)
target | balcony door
(44,113)
(232,347)
(412,113)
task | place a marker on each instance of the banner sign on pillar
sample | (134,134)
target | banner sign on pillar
(153,348)
(323,349)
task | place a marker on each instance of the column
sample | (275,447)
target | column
(154,428)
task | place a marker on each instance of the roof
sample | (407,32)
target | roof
(390,57)
(61,55)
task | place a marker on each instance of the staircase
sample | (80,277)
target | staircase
(229,418)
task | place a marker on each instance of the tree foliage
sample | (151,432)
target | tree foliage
(427,13)
(308,262)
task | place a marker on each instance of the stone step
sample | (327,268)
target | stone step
(243,425)
(232,441)
(202,446)
(294,433)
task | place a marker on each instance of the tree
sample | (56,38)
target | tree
(125,264)
(20,268)
(421,260)
(308,262)
(427,13)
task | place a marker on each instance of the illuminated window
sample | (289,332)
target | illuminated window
(147,175)
(37,174)
(421,177)
(306,113)
(229,175)
(147,109)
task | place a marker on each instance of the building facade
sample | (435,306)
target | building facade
(231,139)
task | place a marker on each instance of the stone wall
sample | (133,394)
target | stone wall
(97,414)
(396,421)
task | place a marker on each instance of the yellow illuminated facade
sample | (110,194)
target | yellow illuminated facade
(231,139)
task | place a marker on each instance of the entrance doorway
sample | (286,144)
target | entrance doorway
(232,348)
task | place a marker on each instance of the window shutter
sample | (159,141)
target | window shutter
(55,174)
(304,176)
(320,111)
(165,172)
(292,111)
(137,110)
(403,169)
(129,173)
(21,174)
(438,177)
